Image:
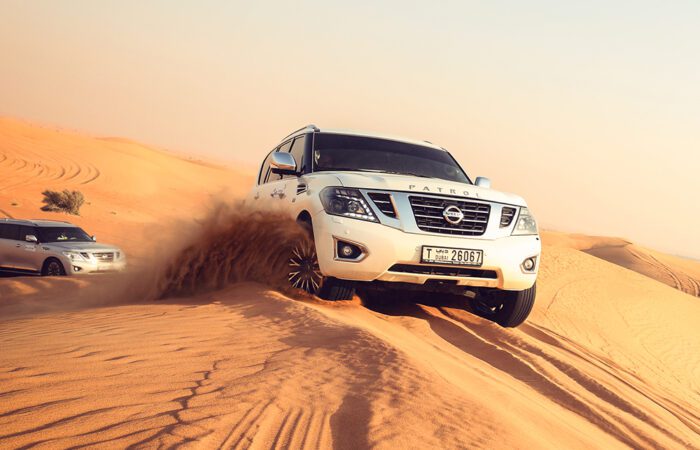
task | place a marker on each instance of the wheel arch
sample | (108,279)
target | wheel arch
(48,260)
(304,217)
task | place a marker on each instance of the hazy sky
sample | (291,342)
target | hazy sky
(590,110)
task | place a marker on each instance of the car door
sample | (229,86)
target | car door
(295,184)
(290,185)
(28,255)
(274,188)
(9,245)
(254,199)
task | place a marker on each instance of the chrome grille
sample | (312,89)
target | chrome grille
(383,203)
(428,213)
(106,256)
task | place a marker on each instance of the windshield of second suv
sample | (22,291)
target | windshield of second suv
(62,234)
(359,153)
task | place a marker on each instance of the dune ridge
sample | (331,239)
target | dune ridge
(680,273)
(609,358)
(130,189)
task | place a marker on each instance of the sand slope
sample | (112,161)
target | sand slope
(680,273)
(130,189)
(609,358)
(250,367)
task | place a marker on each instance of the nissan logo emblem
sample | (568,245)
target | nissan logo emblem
(453,215)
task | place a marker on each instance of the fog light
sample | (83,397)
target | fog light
(529,264)
(348,251)
(76,269)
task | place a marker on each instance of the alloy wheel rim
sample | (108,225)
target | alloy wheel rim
(54,269)
(304,271)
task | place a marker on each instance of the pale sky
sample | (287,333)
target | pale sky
(590,110)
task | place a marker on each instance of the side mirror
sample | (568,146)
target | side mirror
(483,182)
(31,238)
(283,163)
(94,238)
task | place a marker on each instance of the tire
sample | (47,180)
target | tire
(53,268)
(305,274)
(373,298)
(507,308)
(335,289)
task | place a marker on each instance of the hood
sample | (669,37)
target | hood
(407,183)
(84,246)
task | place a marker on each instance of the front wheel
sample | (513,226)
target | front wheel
(53,268)
(506,308)
(305,274)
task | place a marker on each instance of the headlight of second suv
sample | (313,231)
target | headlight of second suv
(347,203)
(76,256)
(526,224)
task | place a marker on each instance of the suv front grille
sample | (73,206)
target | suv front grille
(428,213)
(383,203)
(107,256)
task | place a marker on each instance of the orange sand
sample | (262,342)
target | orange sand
(608,359)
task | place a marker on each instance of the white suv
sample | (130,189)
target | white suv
(51,248)
(389,213)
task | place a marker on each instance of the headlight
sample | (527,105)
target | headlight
(347,203)
(526,224)
(74,256)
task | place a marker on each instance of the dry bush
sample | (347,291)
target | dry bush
(66,201)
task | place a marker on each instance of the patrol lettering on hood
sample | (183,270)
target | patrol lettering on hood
(439,190)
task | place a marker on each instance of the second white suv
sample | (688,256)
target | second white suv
(389,213)
(51,248)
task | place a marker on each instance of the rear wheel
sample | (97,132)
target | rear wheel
(53,268)
(305,274)
(506,308)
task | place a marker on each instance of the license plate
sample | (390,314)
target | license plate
(456,256)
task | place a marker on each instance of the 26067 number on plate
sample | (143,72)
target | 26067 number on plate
(456,256)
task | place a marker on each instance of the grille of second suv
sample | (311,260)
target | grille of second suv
(105,256)
(428,213)
(383,202)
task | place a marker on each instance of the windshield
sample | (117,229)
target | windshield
(62,234)
(359,153)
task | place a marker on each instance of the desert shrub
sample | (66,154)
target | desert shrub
(66,201)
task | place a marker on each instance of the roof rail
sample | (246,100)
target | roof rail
(426,141)
(310,126)
(6,219)
(48,220)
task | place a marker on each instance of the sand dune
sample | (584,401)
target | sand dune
(130,189)
(609,358)
(680,273)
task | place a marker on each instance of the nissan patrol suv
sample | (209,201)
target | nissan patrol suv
(51,248)
(389,213)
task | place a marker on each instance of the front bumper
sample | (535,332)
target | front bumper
(387,246)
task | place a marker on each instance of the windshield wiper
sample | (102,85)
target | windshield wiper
(409,173)
(350,169)
(355,169)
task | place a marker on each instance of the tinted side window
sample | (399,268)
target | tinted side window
(264,169)
(9,231)
(282,148)
(298,154)
(25,230)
